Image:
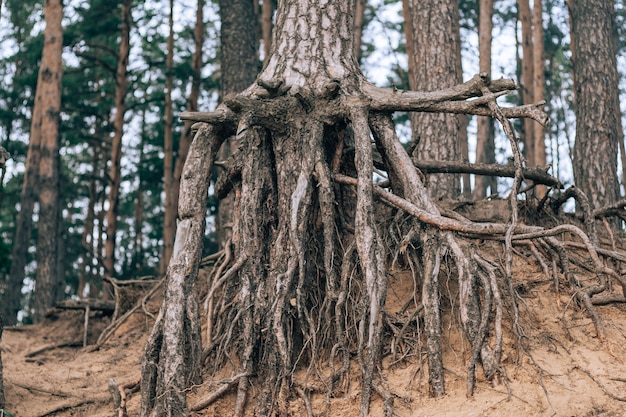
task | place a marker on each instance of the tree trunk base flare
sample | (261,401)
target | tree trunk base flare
(304,285)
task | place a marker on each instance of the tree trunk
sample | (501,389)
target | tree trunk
(138,251)
(526,90)
(596,85)
(437,57)
(485,146)
(539,88)
(121,88)
(169,226)
(267,12)
(359,23)
(240,67)
(408,34)
(47,279)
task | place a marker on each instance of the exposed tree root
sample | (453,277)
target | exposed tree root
(302,287)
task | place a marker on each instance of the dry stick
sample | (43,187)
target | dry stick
(52,347)
(70,406)
(600,384)
(38,389)
(215,395)
(111,328)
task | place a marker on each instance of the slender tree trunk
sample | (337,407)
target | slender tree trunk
(267,12)
(526,90)
(359,22)
(436,56)
(47,279)
(485,146)
(138,253)
(595,149)
(121,88)
(539,88)
(408,33)
(239,69)
(88,246)
(169,226)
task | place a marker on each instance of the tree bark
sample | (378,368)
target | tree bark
(169,224)
(47,279)
(596,85)
(437,63)
(121,88)
(485,146)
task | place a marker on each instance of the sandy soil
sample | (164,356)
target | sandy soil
(567,371)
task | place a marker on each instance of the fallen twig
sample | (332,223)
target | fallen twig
(215,395)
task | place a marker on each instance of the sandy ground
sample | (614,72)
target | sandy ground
(569,372)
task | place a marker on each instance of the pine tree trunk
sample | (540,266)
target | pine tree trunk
(596,85)
(121,88)
(485,146)
(169,226)
(539,88)
(526,90)
(359,22)
(47,279)
(267,12)
(240,67)
(437,64)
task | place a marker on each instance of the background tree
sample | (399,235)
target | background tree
(169,226)
(121,89)
(240,66)
(596,85)
(436,56)
(485,136)
(48,282)
(46,96)
(539,88)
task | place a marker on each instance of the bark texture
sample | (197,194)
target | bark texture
(436,51)
(48,281)
(596,86)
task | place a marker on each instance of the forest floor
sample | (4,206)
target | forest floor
(563,369)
